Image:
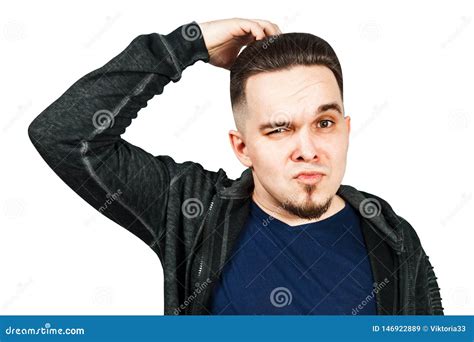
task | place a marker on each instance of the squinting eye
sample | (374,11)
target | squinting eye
(325,123)
(278,130)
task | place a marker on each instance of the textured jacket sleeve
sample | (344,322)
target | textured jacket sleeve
(428,291)
(426,295)
(79,134)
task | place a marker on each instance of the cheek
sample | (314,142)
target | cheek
(337,147)
(267,155)
(337,154)
(338,161)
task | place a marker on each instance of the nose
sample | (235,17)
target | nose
(306,147)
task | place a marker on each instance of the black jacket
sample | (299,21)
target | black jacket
(190,216)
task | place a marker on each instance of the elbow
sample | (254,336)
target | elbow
(41,134)
(36,132)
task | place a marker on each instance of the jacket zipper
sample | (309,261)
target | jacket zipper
(396,299)
(201,259)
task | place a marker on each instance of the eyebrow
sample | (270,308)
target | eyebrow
(321,109)
(329,106)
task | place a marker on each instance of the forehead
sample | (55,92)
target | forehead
(297,89)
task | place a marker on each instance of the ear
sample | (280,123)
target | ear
(237,141)
(347,120)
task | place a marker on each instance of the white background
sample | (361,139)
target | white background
(408,88)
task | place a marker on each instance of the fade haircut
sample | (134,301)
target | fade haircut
(274,53)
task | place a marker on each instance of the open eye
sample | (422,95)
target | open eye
(325,123)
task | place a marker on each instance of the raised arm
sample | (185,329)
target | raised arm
(78,135)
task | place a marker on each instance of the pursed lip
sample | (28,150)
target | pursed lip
(309,177)
(309,174)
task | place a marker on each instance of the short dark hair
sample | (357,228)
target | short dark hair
(280,52)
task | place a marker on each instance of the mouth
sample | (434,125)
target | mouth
(309,177)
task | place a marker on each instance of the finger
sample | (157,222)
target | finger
(278,29)
(254,28)
(269,27)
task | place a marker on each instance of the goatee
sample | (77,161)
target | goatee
(309,210)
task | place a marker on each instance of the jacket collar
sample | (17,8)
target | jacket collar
(381,239)
(370,207)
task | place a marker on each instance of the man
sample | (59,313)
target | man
(284,238)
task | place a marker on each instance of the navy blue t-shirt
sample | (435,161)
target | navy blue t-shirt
(321,268)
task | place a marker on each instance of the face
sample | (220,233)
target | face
(294,123)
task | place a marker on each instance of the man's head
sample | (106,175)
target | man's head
(287,101)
